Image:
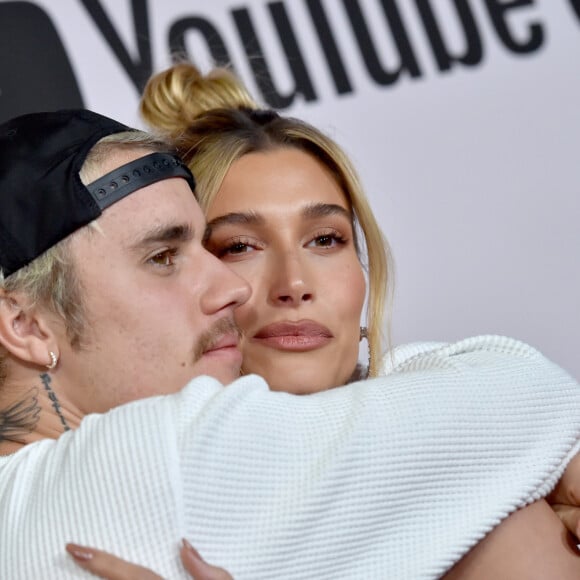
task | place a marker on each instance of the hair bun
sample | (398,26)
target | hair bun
(174,98)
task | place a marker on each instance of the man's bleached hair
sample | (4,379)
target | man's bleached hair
(50,280)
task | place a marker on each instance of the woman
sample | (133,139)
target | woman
(246,158)
(286,211)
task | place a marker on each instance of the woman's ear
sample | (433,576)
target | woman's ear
(26,331)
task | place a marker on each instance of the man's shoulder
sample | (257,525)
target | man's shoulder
(140,421)
(483,350)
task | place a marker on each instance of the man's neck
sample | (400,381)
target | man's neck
(31,410)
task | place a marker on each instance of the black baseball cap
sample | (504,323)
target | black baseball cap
(42,198)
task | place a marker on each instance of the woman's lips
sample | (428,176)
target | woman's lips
(294,336)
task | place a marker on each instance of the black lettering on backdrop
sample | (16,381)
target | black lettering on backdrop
(404,63)
(329,47)
(140,70)
(379,74)
(576,7)
(215,43)
(32,79)
(473,51)
(497,11)
(253,49)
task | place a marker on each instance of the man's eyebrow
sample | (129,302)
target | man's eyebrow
(318,210)
(164,233)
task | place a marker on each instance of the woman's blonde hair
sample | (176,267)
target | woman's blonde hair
(212,121)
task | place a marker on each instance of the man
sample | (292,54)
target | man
(109,298)
(145,257)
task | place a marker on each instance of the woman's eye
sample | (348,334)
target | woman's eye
(231,248)
(327,241)
(324,241)
(237,248)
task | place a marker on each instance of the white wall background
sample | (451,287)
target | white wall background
(474,173)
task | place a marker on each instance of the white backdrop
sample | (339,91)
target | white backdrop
(473,171)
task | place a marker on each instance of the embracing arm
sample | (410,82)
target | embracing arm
(466,434)
(481,427)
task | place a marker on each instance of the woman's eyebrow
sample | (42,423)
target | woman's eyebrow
(250,218)
(318,210)
(243,217)
(254,218)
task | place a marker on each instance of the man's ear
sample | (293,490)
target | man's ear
(26,331)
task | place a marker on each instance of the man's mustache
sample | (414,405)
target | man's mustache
(212,336)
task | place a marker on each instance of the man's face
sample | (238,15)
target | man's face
(159,307)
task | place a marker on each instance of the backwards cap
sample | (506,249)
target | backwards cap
(42,198)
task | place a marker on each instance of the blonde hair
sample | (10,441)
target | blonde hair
(212,121)
(50,280)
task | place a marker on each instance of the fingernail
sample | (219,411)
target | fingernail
(191,550)
(79,553)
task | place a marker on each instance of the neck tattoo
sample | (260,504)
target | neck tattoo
(20,418)
(46,380)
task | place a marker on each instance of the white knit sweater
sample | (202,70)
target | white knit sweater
(342,484)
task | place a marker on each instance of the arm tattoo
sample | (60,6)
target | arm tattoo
(20,418)
(46,380)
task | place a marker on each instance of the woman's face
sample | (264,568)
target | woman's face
(281,221)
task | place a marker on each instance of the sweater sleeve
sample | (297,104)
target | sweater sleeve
(341,484)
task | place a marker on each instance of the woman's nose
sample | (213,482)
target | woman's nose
(291,283)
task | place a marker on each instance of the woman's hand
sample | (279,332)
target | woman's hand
(108,566)
(565,499)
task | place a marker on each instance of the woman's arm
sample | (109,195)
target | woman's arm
(565,499)
(531,544)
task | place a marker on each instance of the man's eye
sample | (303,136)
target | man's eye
(165,258)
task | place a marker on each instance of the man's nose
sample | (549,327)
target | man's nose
(226,289)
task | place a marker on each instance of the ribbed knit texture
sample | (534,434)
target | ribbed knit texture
(395,477)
